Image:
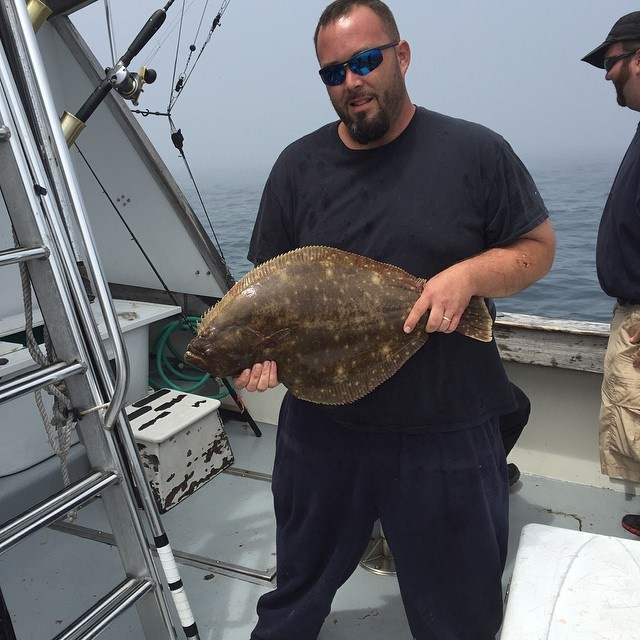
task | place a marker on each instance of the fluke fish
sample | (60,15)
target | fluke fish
(330,319)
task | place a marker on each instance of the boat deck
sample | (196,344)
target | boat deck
(223,538)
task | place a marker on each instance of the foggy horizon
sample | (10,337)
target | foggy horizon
(513,67)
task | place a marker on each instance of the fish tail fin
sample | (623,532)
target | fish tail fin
(476,321)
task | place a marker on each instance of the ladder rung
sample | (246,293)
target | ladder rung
(96,619)
(13,256)
(38,379)
(54,508)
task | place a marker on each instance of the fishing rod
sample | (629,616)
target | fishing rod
(127,83)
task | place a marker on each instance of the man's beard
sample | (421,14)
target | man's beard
(619,83)
(363,129)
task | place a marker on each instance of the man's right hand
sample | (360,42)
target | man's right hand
(260,377)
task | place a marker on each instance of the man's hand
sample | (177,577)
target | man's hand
(443,300)
(494,273)
(260,377)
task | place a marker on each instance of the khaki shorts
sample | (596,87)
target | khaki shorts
(620,408)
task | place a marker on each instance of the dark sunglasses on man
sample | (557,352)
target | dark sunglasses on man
(609,62)
(362,64)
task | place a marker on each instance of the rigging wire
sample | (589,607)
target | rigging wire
(175,58)
(178,86)
(112,40)
(178,142)
(186,74)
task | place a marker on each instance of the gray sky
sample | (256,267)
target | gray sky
(512,65)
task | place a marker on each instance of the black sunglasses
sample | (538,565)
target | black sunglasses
(609,62)
(362,64)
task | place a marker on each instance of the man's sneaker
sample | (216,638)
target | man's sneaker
(514,475)
(632,523)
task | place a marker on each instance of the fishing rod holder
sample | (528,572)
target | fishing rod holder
(38,13)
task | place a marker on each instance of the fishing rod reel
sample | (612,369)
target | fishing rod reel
(130,85)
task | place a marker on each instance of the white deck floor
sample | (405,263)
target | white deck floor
(52,577)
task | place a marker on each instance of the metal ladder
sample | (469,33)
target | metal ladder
(43,201)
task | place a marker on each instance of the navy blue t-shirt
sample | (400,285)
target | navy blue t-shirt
(443,191)
(618,246)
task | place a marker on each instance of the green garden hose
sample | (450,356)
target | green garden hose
(182,374)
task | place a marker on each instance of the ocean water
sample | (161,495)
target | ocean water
(574,191)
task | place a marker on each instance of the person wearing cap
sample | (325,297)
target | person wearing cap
(618,266)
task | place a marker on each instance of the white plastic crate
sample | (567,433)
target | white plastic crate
(182,443)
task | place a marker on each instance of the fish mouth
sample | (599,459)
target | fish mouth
(206,364)
(195,359)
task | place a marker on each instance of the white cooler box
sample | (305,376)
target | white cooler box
(182,443)
(572,585)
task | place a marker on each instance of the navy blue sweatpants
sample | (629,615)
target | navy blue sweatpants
(442,499)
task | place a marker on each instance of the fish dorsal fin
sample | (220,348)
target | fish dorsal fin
(206,318)
(306,255)
(302,255)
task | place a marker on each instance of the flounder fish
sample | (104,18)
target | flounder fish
(331,320)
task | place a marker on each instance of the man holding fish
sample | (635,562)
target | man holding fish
(449,202)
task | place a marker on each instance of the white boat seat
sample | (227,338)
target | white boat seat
(571,584)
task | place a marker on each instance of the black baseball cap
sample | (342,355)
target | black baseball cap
(626,28)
